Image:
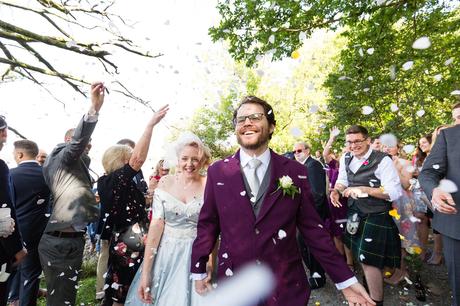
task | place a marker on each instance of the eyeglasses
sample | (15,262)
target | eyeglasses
(356,142)
(298,151)
(256,117)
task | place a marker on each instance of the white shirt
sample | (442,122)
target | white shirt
(262,169)
(386,173)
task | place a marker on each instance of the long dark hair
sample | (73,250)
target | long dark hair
(419,154)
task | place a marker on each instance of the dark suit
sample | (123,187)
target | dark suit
(31,200)
(249,237)
(12,244)
(73,207)
(444,162)
(317,180)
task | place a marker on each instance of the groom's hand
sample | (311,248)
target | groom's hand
(202,287)
(357,295)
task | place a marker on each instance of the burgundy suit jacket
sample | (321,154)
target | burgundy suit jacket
(246,239)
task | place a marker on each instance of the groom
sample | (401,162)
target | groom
(258,223)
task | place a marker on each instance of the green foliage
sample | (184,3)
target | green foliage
(368,71)
(86,293)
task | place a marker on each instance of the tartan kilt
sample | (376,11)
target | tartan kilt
(376,242)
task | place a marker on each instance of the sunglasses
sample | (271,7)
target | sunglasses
(298,151)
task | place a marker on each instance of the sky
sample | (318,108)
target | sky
(187,76)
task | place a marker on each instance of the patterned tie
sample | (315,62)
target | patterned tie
(253,179)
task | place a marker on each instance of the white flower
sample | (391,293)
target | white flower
(285,182)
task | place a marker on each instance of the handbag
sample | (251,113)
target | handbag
(133,236)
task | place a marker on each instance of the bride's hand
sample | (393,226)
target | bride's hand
(143,291)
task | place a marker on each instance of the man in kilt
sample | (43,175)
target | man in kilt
(370,181)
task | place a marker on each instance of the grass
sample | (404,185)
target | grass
(86,294)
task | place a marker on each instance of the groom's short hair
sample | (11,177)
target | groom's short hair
(268,110)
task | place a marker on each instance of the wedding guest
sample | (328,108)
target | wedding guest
(41,156)
(370,181)
(164,278)
(31,200)
(338,218)
(11,248)
(443,163)
(456,113)
(123,208)
(376,143)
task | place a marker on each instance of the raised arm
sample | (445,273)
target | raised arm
(327,148)
(142,146)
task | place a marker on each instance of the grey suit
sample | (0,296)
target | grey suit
(444,162)
(74,206)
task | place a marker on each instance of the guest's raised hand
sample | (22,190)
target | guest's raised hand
(97,95)
(356,295)
(160,114)
(334,132)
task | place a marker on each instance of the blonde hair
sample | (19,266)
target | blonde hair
(203,151)
(115,157)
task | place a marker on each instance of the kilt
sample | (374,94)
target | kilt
(377,241)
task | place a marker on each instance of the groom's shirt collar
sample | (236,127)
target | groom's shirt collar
(264,158)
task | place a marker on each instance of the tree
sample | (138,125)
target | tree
(23,53)
(378,66)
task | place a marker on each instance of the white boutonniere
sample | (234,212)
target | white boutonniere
(286,184)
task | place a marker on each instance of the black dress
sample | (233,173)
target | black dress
(122,205)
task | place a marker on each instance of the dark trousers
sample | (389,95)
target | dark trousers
(61,260)
(451,249)
(24,283)
(308,258)
(3,293)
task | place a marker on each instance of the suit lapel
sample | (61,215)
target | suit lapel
(234,178)
(276,164)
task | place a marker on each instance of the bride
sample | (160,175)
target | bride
(164,278)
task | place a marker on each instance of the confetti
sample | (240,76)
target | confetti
(220,184)
(281,234)
(40,201)
(448,186)
(225,255)
(229,272)
(420,113)
(394,214)
(438,77)
(409,148)
(394,107)
(455,92)
(422,43)
(368,239)
(296,132)
(436,166)
(449,61)
(243,193)
(414,219)
(370,51)
(302,177)
(271,39)
(392,70)
(360,51)
(295,54)
(367,110)
(361,257)
(313,109)
(407,65)
(316,275)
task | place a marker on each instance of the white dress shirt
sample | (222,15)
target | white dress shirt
(386,173)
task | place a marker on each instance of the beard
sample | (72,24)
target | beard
(262,140)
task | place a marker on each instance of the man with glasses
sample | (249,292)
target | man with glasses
(257,218)
(370,181)
(318,182)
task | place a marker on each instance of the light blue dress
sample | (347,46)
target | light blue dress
(171,283)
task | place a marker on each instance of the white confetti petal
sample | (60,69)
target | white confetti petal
(368,239)
(229,272)
(220,184)
(409,148)
(408,65)
(422,43)
(302,177)
(414,219)
(316,275)
(448,186)
(360,51)
(420,113)
(271,39)
(302,36)
(62,274)
(392,70)
(40,201)
(370,51)
(361,257)
(313,109)
(367,110)
(115,286)
(436,166)
(197,265)
(281,234)
(366,89)
(225,255)
(47,215)
(296,132)
(455,92)
(394,107)
(370,78)
(449,61)
(105,287)
(438,77)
